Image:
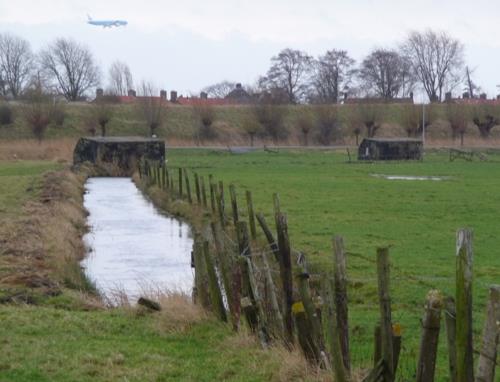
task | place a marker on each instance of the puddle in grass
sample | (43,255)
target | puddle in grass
(410,177)
(132,246)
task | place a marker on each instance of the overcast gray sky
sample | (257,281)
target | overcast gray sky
(188,44)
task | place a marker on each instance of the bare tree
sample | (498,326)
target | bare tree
(220,89)
(272,119)
(370,115)
(16,64)
(332,75)
(120,78)
(152,107)
(289,71)
(327,124)
(204,115)
(412,118)
(485,117)
(436,59)
(305,123)
(387,74)
(37,111)
(252,127)
(70,66)
(458,117)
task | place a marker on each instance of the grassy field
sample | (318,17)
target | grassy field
(323,195)
(72,337)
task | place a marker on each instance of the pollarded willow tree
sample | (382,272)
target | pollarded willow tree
(486,117)
(414,118)
(151,107)
(70,67)
(436,59)
(458,118)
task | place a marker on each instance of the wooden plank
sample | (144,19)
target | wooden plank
(431,321)
(340,289)
(491,337)
(251,215)
(451,335)
(234,203)
(385,313)
(215,292)
(463,301)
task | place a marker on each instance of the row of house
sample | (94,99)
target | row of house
(239,96)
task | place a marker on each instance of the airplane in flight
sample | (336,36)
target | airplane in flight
(106,23)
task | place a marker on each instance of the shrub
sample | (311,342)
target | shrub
(327,124)
(272,119)
(58,114)
(205,116)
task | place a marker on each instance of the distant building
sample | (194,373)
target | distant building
(466,99)
(375,100)
(239,96)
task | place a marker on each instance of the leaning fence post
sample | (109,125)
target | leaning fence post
(215,292)
(463,301)
(234,203)
(251,215)
(273,299)
(385,313)
(197,188)
(491,338)
(340,279)
(451,335)
(430,335)
(203,191)
(248,300)
(285,272)
(273,244)
(220,203)
(180,182)
(188,187)
(212,189)
(330,319)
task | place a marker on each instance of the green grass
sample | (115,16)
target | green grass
(42,344)
(20,181)
(323,195)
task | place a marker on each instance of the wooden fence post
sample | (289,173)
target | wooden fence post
(188,187)
(285,272)
(215,292)
(251,215)
(451,335)
(234,203)
(197,188)
(226,268)
(180,182)
(430,335)
(248,299)
(273,298)
(330,325)
(340,282)
(273,244)
(203,191)
(385,313)
(491,338)
(212,189)
(463,301)
(200,275)
(219,195)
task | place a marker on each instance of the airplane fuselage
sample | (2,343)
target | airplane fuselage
(108,23)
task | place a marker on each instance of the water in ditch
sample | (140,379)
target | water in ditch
(133,249)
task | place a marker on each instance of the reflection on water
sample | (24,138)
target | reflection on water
(132,246)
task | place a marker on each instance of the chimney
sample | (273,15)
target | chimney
(482,96)
(498,97)
(173,96)
(238,86)
(447,97)
(411,96)
(163,94)
(99,92)
(131,93)
(465,95)
(203,95)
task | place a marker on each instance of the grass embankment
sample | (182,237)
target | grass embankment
(53,328)
(180,125)
(323,195)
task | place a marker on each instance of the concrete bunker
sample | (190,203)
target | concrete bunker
(390,149)
(123,152)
